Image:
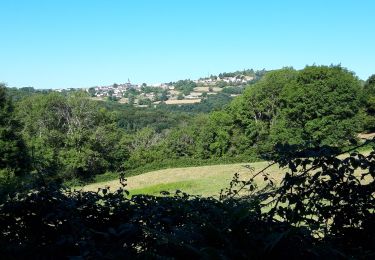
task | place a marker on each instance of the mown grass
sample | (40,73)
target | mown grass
(192,162)
(207,178)
(202,180)
(169,187)
(174,163)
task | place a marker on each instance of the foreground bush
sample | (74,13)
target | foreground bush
(323,209)
(48,223)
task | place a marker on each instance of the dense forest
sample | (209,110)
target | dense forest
(49,139)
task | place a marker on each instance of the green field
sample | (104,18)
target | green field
(203,180)
(200,180)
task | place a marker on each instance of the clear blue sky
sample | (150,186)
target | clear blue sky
(78,43)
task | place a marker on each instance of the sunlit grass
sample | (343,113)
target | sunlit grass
(203,180)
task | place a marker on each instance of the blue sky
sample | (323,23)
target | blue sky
(83,43)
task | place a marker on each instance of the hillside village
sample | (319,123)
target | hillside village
(180,92)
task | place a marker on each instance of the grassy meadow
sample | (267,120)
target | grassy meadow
(202,180)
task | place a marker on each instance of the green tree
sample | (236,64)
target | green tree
(43,129)
(164,95)
(111,143)
(131,100)
(92,91)
(233,90)
(185,86)
(320,107)
(257,110)
(369,101)
(180,96)
(214,135)
(144,101)
(221,84)
(14,159)
(143,147)
(58,130)
(180,142)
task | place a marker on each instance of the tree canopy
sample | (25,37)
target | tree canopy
(320,107)
(14,158)
(369,101)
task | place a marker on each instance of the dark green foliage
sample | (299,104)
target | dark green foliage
(180,96)
(321,210)
(14,159)
(219,84)
(233,90)
(17,94)
(132,119)
(215,140)
(92,91)
(370,85)
(207,105)
(316,106)
(185,86)
(181,142)
(248,72)
(257,110)
(70,137)
(112,98)
(48,223)
(369,100)
(320,107)
(329,195)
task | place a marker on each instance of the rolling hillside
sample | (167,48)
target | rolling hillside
(203,180)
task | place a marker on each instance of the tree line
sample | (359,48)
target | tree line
(71,137)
